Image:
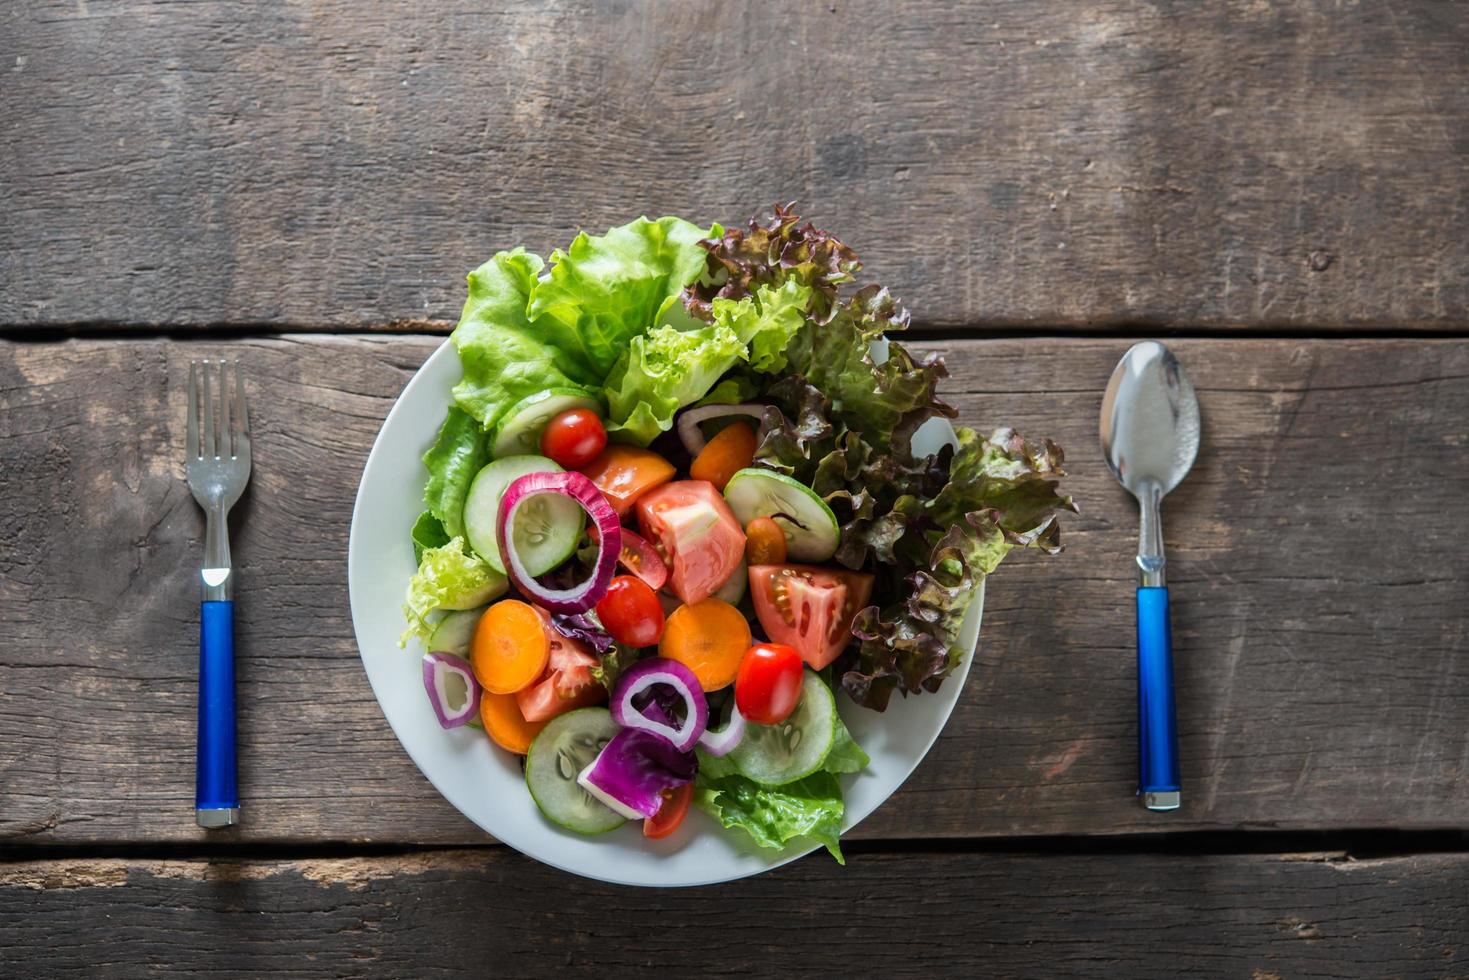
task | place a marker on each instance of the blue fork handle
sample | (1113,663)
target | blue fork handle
(216,796)
(1158,780)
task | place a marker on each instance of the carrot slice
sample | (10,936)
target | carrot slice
(726,454)
(510,649)
(765,542)
(710,638)
(505,725)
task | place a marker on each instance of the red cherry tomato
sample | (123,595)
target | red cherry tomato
(671,813)
(768,686)
(574,438)
(631,612)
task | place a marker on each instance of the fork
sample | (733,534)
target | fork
(218,467)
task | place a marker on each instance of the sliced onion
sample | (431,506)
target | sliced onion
(645,676)
(688,423)
(721,741)
(439,671)
(630,774)
(578,598)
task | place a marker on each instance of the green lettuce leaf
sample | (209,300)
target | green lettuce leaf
(772,816)
(913,645)
(884,399)
(928,529)
(428,532)
(811,807)
(505,355)
(770,253)
(661,372)
(604,291)
(1012,476)
(447,578)
(456,456)
(845,755)
(767,322)
(733,390)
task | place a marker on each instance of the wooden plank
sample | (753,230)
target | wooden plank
(450,913)
(1318,573)
(1234,165)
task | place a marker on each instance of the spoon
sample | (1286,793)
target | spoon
(1150,436)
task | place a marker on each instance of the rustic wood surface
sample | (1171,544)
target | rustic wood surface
(1278,185)
(1319,613)
(1246,164)
(465,913)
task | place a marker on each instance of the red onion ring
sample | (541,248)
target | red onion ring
(437,666)
(723,740)
(644,675)
(578,598)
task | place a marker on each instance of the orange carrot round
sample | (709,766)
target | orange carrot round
(710,638)
(765,542)
(505,725)
(510,648)
(730,451)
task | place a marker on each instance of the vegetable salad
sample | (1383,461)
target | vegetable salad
(674,511)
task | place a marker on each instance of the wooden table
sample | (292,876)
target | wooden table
(1277,188)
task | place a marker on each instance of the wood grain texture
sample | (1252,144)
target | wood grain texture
(1116,162)
(454,913)
(1319,587)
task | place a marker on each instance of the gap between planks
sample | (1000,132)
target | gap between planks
(918,333)
(1325,846)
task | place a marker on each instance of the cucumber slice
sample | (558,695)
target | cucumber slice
(519,430)
(733,590)
(774,755)
(454,632)
(564,748)
(547,527)
(811,528)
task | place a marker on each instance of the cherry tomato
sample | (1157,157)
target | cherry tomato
(631,612)
(768,686)
(765,542)
(574,438)
(671,813)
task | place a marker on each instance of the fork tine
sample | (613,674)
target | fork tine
(242,416)
(208,414)
(192,447)
(226,445)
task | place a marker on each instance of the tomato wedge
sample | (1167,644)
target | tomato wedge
(639,557)
(675,807)
(567,682)
(690,523)
(625,473)
(809,608)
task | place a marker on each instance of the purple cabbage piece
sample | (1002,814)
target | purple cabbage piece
(631,773)
(581,626)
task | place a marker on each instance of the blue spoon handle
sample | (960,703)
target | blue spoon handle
(1158,780)
(216,796)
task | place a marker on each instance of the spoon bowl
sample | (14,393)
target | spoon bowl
(1150,420)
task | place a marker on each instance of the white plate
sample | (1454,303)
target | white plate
(485,783)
